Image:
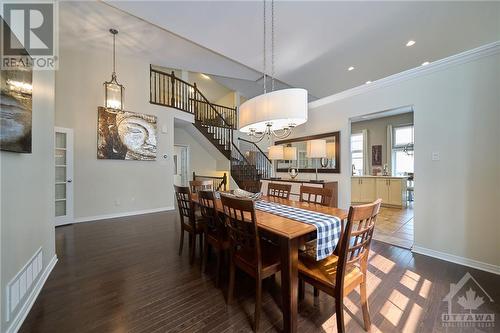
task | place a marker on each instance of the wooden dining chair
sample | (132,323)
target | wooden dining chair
(339,275)
(201,185)
(319,195)
(258,259)
(190,223)
(215,230)
(277,190)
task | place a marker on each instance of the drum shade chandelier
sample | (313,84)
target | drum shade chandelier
(275,113)
(113,91)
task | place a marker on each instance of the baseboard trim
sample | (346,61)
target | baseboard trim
(457,259)
(122,214)
(18,320)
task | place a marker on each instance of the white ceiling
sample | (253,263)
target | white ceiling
(85,25)
(317,41)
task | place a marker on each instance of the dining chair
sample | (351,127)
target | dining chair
(201,185)
(258,259)
(339,275)
(319,195)
(215,230)
(190,223)
(277,190)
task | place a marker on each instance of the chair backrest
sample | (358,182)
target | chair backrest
(242,224)
(250,185)
(279,190)
(357,237)
(319,195)
(184,202)
(201,185)
(213,224)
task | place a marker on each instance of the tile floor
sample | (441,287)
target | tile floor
(395,226)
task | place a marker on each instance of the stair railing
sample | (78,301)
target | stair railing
(255,156)
(220,183)
(168,90)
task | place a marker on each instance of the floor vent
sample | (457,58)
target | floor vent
(19,287)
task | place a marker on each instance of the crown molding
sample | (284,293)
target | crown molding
(435,66)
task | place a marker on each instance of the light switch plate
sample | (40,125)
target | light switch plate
(435,156)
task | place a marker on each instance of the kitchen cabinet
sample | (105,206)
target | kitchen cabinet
(392,190)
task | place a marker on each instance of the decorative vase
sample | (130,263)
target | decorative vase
(293,173)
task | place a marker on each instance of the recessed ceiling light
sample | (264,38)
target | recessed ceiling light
(350,68)
(368,82)
(410,43)
(425,63)
(205,76)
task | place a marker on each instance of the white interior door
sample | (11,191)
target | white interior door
(63,138)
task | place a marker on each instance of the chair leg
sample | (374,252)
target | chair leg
(230,289)
(258,301)
(201,245)
(193,247)
(364,306)
(316,292)
(339,311)
(302,291)
(218,268)
(181,243)
(204,266)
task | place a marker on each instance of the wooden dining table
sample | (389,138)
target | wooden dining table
(291,235)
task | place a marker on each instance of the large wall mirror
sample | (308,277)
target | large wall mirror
(321,152)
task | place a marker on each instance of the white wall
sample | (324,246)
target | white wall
(204,158)
(27,192)
(456,113)
(105,187)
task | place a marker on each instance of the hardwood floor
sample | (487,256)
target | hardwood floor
(124,275)
(395,226)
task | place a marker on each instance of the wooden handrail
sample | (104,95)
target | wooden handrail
(255,145)
(192,89)
(223,180)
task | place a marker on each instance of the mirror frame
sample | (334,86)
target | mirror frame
(314,137)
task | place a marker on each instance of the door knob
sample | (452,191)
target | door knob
(69,180)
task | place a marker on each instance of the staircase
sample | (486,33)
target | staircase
(216,122)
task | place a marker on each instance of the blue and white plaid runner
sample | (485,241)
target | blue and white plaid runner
(328,227)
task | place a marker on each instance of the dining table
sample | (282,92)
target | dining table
(291,234)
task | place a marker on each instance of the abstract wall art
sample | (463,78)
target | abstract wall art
(126,135)
(15,110)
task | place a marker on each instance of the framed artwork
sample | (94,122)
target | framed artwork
(126,135)
(377,155)
(15,110)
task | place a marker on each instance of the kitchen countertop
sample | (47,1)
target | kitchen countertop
(370,176)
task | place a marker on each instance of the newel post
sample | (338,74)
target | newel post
(172,80)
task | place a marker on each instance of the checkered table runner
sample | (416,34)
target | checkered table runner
(328,227)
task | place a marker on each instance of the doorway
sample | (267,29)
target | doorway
(181,165)
(63,146)
(382,166)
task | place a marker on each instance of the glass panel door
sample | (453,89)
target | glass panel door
(63,176)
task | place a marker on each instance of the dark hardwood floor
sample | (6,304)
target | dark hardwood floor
(124,275)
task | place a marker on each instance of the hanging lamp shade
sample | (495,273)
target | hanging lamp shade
(113,91)
(279,109)
(113,94)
